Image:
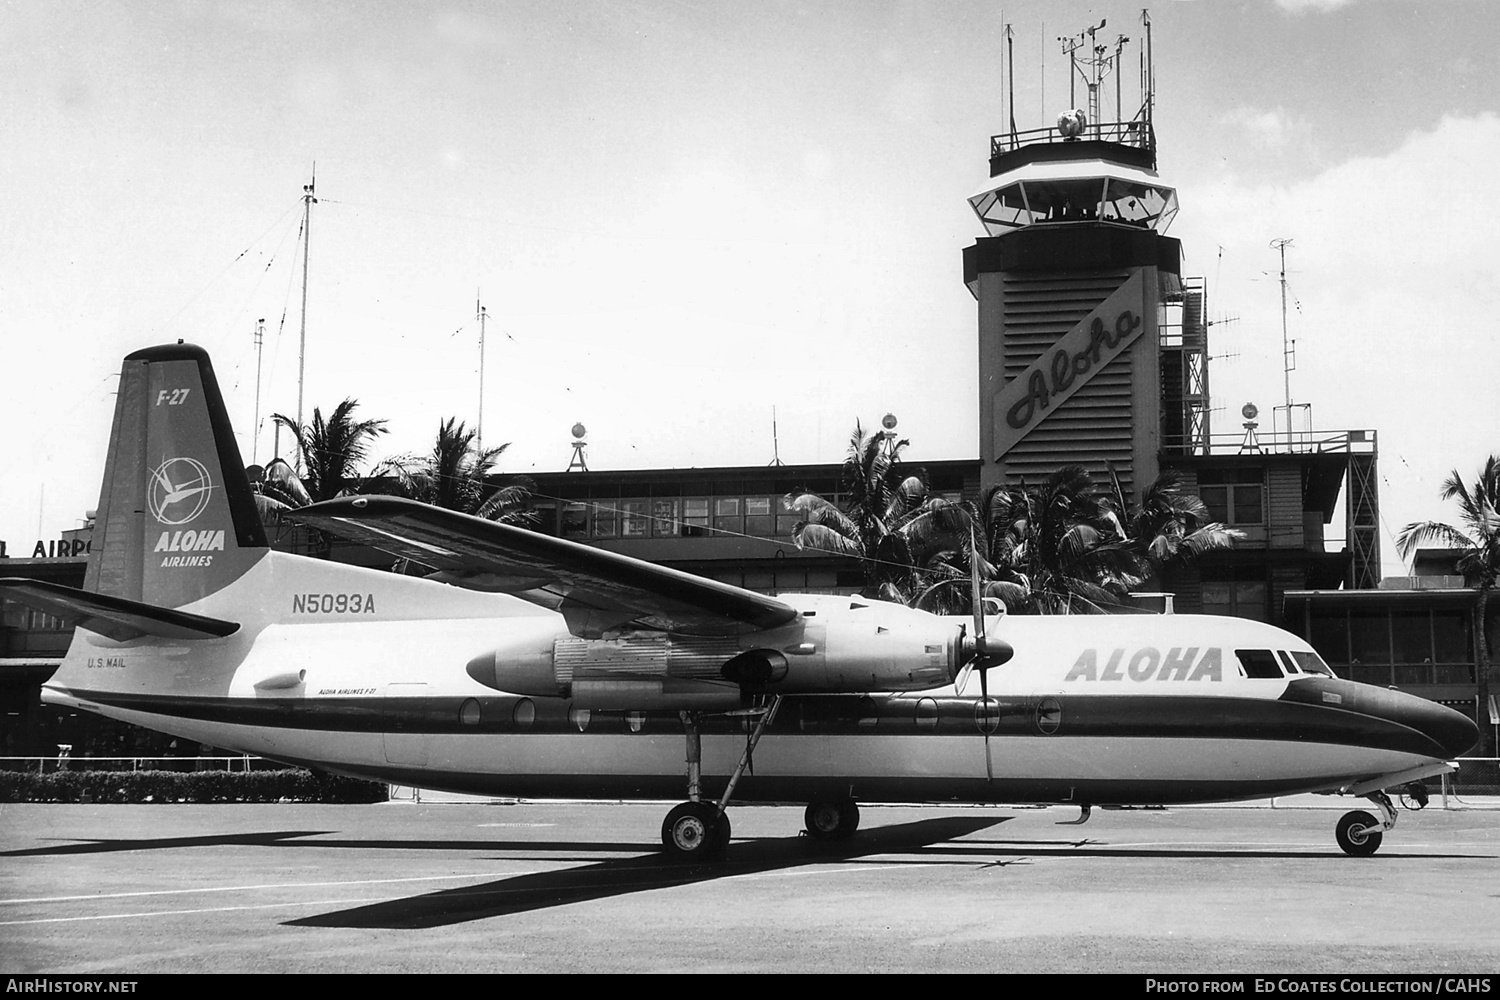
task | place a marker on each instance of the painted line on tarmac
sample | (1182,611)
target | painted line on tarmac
(210,909)
(830,869)
(267,885)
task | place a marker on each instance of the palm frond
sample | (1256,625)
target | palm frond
(821,538)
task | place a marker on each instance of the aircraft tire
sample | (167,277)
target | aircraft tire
(1358,834)
(722,833)
(831,819)
(694,831)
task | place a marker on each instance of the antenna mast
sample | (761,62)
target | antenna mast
(260,340)
(1010,65)
(479,308)
(775,441)
(1288,347)
(307,203)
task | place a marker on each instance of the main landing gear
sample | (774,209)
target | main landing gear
(697,830)
(832,819)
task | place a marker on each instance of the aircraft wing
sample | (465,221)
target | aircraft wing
(116,617)
(595,590)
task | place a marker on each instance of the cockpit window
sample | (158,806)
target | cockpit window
(1259,663)
(1287,663)
(1311,663)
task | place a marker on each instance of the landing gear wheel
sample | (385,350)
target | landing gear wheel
(694,831)
(1358,834)
(722,833)
(831,819)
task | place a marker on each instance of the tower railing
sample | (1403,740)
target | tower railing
(1135,133)
(1348,442)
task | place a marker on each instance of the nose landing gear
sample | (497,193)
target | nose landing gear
(1359,834)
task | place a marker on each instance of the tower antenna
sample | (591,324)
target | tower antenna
(1010,65)
(483,315)
(775,442)
(1288,347)
(260,340)
(308,200)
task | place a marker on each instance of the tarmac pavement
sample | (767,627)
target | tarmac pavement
(550,887)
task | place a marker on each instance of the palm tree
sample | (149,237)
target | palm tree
(329,452)
(1170,526)
(1056,548)
(1064,541)
(455,475)
(879,504)
(1479,512)
(950,538)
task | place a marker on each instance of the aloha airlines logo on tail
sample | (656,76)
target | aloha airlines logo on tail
(1150,663)
(178,491)
(177,518)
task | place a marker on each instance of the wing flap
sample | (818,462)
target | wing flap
(115,617)
(595,589)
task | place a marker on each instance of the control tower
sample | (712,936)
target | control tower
(1086,355)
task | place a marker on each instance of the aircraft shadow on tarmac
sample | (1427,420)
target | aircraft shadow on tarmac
(796,850)
(619,876)
(928,841)
(105,846)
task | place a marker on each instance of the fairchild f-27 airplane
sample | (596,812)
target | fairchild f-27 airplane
(528,665)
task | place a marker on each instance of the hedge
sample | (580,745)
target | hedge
(291,785)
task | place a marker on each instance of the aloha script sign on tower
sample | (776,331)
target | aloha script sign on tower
(1069,364)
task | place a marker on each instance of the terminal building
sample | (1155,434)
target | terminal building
(1091,348)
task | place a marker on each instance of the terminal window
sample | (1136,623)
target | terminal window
(1233,496)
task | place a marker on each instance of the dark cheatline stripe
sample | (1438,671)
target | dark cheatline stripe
(797,789)
(1372,718)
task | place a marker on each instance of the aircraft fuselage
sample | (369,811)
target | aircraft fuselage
(372,675)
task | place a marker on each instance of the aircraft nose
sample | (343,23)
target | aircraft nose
(1396,719)
(1454,731)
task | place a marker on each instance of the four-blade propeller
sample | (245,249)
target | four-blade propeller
(980,652)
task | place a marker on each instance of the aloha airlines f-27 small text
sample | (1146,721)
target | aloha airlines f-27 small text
(528,665)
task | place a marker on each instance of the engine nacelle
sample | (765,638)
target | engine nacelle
(837,646)
(634,671)
(882,647)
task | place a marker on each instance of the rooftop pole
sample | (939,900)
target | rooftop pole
(260,338)
(479,432)
(1286,345)
(307,203)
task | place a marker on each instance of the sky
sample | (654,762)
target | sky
(689,219)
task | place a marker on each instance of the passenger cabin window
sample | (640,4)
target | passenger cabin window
(1259,663)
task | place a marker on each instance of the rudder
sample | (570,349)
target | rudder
(177,518)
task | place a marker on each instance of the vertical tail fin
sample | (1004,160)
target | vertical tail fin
(177,519)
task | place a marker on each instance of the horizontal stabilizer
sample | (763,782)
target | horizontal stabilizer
(594,589)
(114,617)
